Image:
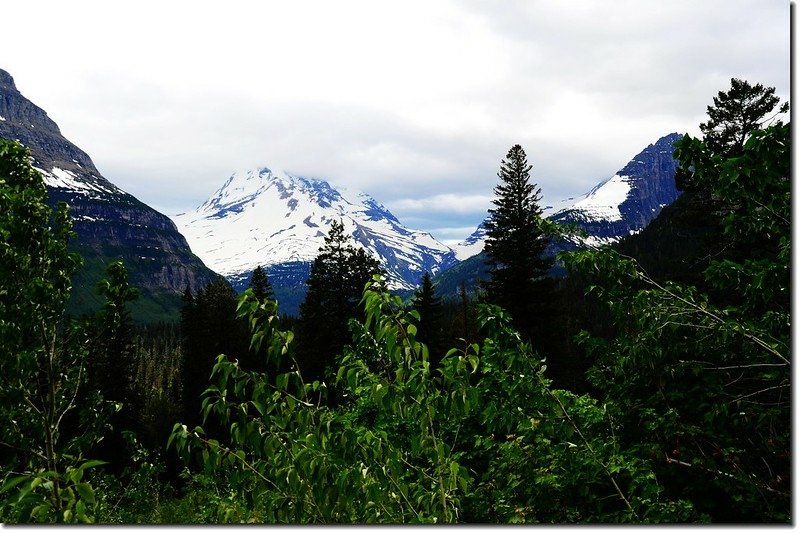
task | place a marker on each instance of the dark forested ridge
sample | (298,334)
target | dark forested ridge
(650,383)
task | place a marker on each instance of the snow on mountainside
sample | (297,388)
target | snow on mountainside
(603,201)
(269,217)
(87,185)
(628,201)
(616,207)
(472,245)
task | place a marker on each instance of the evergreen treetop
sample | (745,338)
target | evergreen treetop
(514,239)
(262,288)
(736,114)
(339,273)
(335,285)
(515,245)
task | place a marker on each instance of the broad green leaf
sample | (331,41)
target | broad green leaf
(85,491)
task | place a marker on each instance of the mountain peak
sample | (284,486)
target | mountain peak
(626,202)
(270,217)
(110,224)
(6,81)
(244,187)
(26,122)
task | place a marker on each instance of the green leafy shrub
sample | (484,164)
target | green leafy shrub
(484,438)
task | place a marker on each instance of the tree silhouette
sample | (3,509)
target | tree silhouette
(335,285)
(431,324)
(262,288)
(515,247)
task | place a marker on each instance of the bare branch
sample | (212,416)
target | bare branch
(705,312)
(711,366)
(781,386)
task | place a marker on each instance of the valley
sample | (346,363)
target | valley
(291,352)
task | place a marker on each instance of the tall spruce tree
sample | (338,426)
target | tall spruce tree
(262,288)
(335,285)
(516,245)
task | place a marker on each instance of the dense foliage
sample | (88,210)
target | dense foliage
(411,444)
(375,410)
(701,379)
(49,420)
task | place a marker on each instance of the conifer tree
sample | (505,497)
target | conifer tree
(736,114)
(111,361)
(262,288)
(210,327)
(516,245)
(186,315)
(189,343)
(335,285)
(430,329)
(463,319)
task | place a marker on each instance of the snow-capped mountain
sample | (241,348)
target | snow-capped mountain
(269,217)
(110,223)
(472,245)
(617,206)
(626,202)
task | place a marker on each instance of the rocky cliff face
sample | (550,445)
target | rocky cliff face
(110,223)
(22,120)
(628,201)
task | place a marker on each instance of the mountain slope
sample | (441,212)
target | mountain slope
(628,201)
(272,218)
(110,223)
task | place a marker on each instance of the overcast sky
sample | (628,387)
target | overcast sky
(414,102)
